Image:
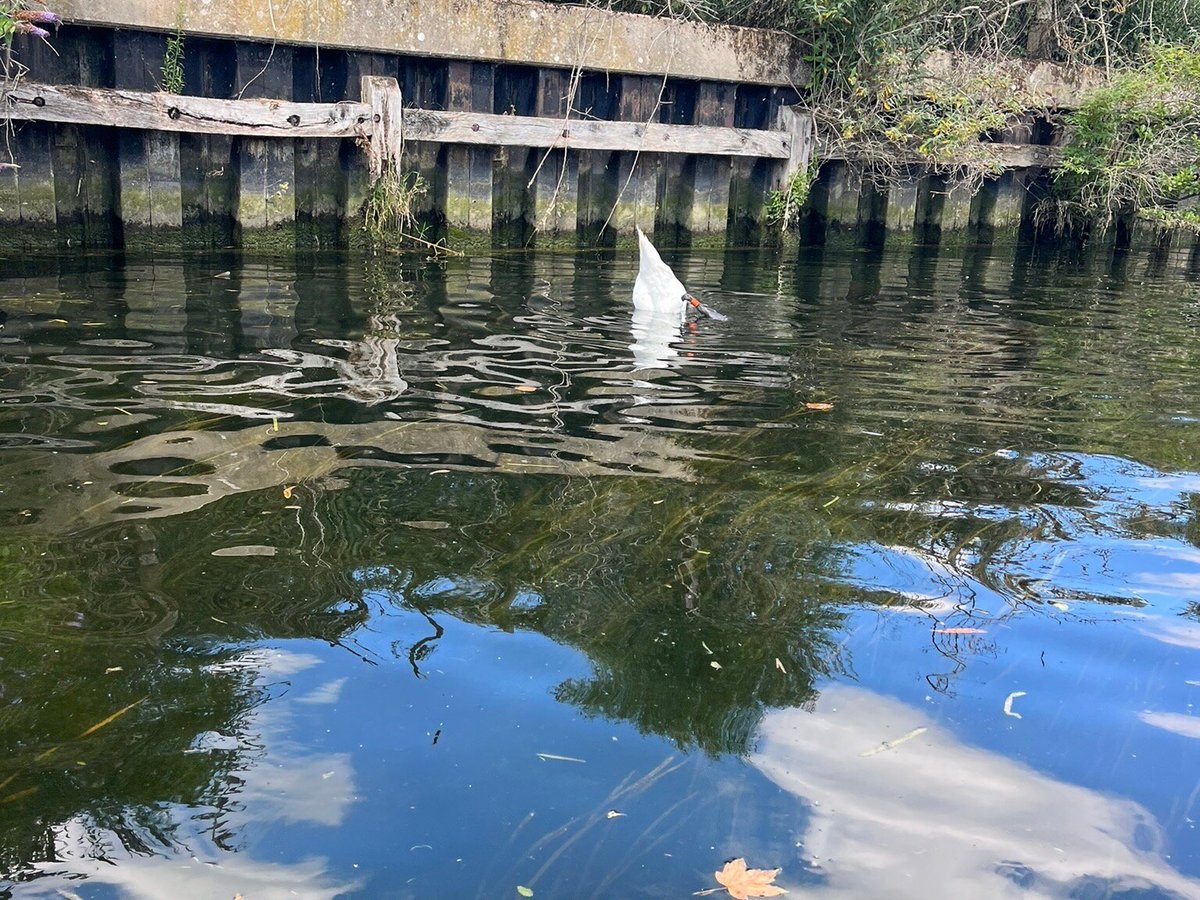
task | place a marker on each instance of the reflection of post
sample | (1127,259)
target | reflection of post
(158,313)
(212,312)
(267,309)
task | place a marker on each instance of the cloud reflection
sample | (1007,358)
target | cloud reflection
(934,817)
(276,780)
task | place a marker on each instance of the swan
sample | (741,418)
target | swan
(658,292)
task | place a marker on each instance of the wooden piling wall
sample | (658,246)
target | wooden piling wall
(94,185)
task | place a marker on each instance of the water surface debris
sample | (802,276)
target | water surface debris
(888,745)
(820,407)
(556,758)
(246,550)
(613,814)
(959,631)
(779,666)
(524,891)
(1008,702)
(743,883)
(427,524)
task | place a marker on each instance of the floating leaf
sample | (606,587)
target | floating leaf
(959,631)
(524,891)
(820,407)
(526,388)
(779,666)
(744,883)
(1058,604)
(715,664)
(613,814)
(287,492)
(427,524)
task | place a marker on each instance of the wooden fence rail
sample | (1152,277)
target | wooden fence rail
(159,111)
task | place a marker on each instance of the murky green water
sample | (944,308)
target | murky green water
(336,576)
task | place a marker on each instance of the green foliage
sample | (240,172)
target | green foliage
(389,214)
(172,67)
(784,205)
(1134,144)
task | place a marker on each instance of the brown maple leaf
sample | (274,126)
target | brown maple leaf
(743,883)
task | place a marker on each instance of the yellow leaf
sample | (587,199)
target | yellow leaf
(524,891)
(822,407)
(287,492)
(743,883)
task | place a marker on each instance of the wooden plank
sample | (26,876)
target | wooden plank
(637,170)
(171,112)
(799,128)
(556,192)
(382,96)
(266,168)
(710,187)
(469,169)
(536,131)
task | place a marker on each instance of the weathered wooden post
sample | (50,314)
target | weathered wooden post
(151,194)
(710,187)
(637,170)
(266,167)
(470,88)
(556,188)
(387,116)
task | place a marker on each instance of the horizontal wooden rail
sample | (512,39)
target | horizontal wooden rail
(581,134)
(173,112)
(377,120)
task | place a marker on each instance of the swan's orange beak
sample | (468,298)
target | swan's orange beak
(692,301)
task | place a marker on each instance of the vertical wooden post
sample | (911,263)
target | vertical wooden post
(799,128)
(266,167)
(387,113)
(901,217)
(423,82)
(318,76)
(556,191)
(359,67)
(595,99)
(843,195)
(207,174)
(27,189)
(956,213)
(637,172)
(674,200)
(470,87)
(1009,209)
(710,188)
(151,197)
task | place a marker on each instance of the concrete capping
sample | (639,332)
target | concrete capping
(1057,86)
(511,31)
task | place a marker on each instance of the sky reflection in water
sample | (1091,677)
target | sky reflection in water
(434,581)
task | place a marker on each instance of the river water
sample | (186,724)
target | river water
(347,576)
